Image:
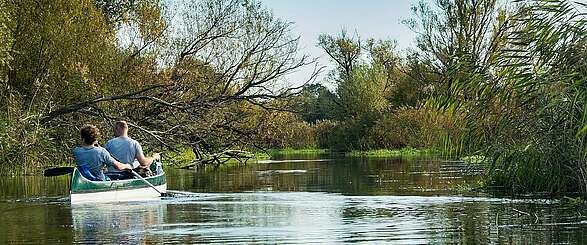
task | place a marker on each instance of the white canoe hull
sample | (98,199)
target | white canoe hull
(132,195)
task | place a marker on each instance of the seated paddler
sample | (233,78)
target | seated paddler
(127,150)
(90,158)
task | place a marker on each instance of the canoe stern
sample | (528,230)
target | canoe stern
(84,190)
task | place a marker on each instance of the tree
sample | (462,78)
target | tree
(459,40)
(60,52)
(221,53)
(344,50)
(178,72)
(315,103)
(5,37)
(363,84)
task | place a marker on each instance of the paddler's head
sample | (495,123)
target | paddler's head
(120,129)
(90,134)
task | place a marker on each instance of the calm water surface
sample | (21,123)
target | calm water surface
(335,201)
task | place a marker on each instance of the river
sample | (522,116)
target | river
(333,200)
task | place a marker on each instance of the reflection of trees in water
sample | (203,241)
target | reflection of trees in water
(498,222)
(343,175)
(114,223)
(304,216)
(35,222)
(425,220)
(540,223)
(33,186)
(466,222)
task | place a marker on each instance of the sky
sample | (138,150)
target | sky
(379,19)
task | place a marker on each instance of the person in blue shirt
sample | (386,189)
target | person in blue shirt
(92,157)
(128,150)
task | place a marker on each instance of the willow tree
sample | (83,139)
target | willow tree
(366,76)
(177,71)
(186,80)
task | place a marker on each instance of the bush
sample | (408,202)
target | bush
(347,135)
(415,128)
(26,147)
(286,130)
(323,131)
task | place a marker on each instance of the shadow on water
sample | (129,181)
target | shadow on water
(344,200)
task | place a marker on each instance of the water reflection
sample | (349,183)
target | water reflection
(305,217)
(115,223)
(353,176)
(339,201)
(35,223)
(32,186)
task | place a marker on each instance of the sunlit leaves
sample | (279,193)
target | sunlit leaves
(5,37)
(528,105)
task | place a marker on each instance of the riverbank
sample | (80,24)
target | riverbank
(404,152)
(187,157)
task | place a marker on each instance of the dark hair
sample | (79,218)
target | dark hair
(90,134)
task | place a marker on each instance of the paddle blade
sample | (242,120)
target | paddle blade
(58,171)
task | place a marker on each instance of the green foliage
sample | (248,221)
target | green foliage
(5,37)
(275,129)
(180,158)
(315,104)
(185,157)
(182,75)
(544,80)
(25,147)
(324,133)
(520,89)
(61,52)
(406,152)
(414,128)
(116,11)
(290,151)
(363,94)
(344,50)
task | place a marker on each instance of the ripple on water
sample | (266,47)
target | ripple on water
(321,217)
(343,200)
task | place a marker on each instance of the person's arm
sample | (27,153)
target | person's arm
(146,161)
(121,166)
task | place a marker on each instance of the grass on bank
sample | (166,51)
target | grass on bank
(476,159)
(290,151)
(185,157)
(405,152)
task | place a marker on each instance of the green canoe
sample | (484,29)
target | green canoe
(88,191)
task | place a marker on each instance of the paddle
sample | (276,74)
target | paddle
(58,171)
(148,183)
